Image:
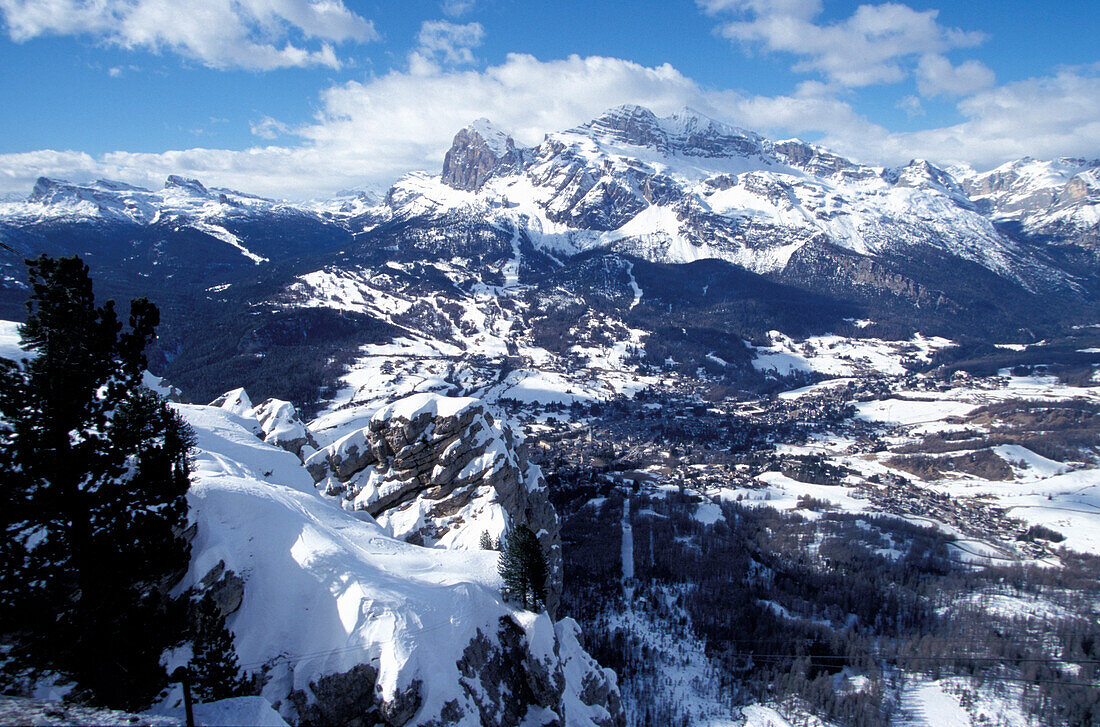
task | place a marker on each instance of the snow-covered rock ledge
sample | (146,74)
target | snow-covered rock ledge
(440,471)
(350,624)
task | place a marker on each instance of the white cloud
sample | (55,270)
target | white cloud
(375,130)
(1045,117)
(874,45)
(251,34)
(456,8)
(798,8)
(937,77)
(268,128)
(813,108)
(911,105)
(449,44)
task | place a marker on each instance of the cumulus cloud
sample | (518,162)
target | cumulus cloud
(268,128)
(373,131)
(874,45)
(449,44)
(252,34)
(456,8)
(1045,117)
(936,76)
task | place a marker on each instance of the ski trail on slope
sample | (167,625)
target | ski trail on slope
(634,285)
(511,268)
(926,704)
(628,545)
(226,236)
(682,676)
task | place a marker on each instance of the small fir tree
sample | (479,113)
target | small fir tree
(486,542)
(214,667)
(523,568)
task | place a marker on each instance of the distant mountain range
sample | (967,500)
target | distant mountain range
(724,226)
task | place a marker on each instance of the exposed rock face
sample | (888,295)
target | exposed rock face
(1055,199)
(441,471)
(224,586)
(818,161)
(478,152)
(840,271)
(503,678)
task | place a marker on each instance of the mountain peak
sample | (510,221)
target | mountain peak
(628,124)
(498,141)
(687,132)
(477,153)
(44,187)
(193,186)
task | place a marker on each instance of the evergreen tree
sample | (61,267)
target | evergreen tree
(214,666)
(523,568)
(93,476)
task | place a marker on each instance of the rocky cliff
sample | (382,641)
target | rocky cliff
(440,471)
(479,151)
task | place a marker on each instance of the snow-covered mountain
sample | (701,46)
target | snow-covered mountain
(180,238)
(686,187)
(1056,201)
(497,249)
(347,614)
(673,189)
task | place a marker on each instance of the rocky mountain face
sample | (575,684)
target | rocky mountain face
(1053,205)
(479,151)
(672,189)
(441,472)
(685,187)
(382,608)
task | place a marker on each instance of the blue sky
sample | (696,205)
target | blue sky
(298,98)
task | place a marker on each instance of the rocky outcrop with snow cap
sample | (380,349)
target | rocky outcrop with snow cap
(275,421)
(349,625)
(440,471)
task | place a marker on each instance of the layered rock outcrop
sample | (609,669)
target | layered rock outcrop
(441,471)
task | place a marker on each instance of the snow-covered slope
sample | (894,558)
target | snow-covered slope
(111,213)
(344,619)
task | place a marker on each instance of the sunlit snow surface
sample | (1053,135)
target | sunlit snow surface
(326,589)
(9,341)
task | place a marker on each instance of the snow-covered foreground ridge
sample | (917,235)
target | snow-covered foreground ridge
(347,621)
